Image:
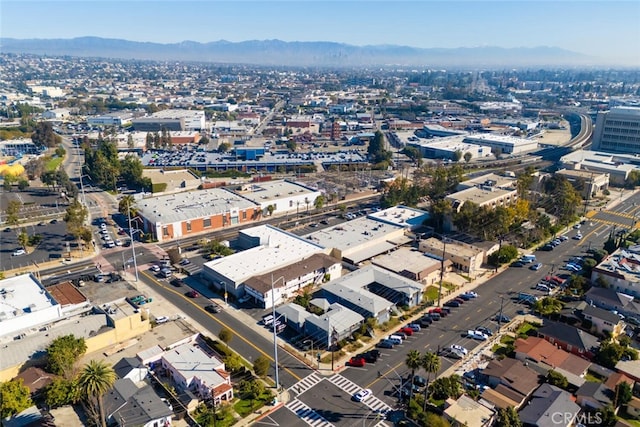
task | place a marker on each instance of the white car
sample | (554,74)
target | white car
(162,319)
(154,268)
(577,226)
(19,252)
(460,349)
(578,236)
(362,395)
(471,294)
(103,226)
(477,335)
(118,242)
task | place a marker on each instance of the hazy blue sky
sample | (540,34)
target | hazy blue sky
(606,29)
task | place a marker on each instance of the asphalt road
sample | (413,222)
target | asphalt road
(493,294)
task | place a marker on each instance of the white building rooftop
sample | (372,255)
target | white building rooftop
(191,361)
(192,204)
(277,249)
(402,216)
(261,192)
(24,303)
(352,234)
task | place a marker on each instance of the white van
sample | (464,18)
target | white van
(542,287)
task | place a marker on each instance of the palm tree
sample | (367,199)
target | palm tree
(430,362)
(95,380)
(413,362)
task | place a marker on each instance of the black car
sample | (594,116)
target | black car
(517,264)
(177,282)
(114,278)
(126,243)
(452,303)
(370,356)
(425,321)
(53,221)
(465,297)
(547,247)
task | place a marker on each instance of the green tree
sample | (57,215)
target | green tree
(225,336)
(23,184)
(446,387)
(413,362)
(431,364)
(457,155)
(623,394)
(467,157)
(61,392)
(127,206)
(319,202)
(440,210)
(548,306)
(376,149)
(233,363)
(557,379)
(504,255)
(44,136)
(60,151)
(94,381)
(611,352)
(261,366)
(224,147)
(75,217)
(13,212)
(14,397)
(291,145)
(131,171)
(271,209)
(63,353)
(23,238)
(508,417)
(251,389)
(130,142)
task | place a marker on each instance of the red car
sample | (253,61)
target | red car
(406,330)
(357,361)
(192,294)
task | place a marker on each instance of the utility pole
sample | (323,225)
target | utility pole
(500,315)
(444,249)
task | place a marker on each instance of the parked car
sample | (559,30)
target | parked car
(114,278)
(459,348)
(449,352)
(414,327)
(517,264)
(407,330)
(484,330)
(502,318)
(464,297)
(452,303)
(385,344)
(471,294)
(155,268)
(162,319)
(536,267)
(19,252)
(192,294)
(426,321)
(185,261)
(357,361)
(460,300)
(177,282)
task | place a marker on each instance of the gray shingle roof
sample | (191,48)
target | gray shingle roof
(546,401)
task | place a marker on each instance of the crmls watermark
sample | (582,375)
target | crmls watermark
(565,418)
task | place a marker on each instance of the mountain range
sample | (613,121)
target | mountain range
(281,53)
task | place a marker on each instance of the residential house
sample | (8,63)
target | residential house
(633,408)
(191,368)
(570,338)
(339,322)
(630,368)
(511,378)
(616,378)
(604,321)
(593,395)
(131,368)
(127,405)
(610,299)
(549,406)
(467,412)
(543,357)
(36,379)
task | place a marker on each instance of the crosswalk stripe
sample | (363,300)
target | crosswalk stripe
(307,414)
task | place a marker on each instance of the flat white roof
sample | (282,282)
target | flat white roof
(191,205)
(479,195)
(261,192)
(502,139)
(406,259)
(21,296)
(449,143)
(277,249)
(177,114)
(354,233)
(192,362)
(401,215)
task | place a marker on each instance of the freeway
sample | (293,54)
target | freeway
(495,295)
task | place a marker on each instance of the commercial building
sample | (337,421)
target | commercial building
(171,120)
(463,256)
(337,320)
(592,183)
(183,214)
(404,216)
(267,249)
(484,195)
(411,264)
(617,130)
(489,180)
(176,180)
(447,148)
(283,196)
(286,282)
(360,239)
(503,144)
(621,271)
(355,298)
(618,166)
(18,147)
(110,119)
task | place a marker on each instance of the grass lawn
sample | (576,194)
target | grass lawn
(432,293)
(496,347)
(52,164)
(628,419)
(244,407)
(507,339)
(525,328)
(592,378)
(449,286)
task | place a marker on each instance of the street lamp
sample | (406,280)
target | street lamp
(224,284)
(275,334)
(310,341)
(133,246)
(444,251)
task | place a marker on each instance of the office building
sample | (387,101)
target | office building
(618,131)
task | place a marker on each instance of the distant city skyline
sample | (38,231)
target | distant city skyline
(607,31)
